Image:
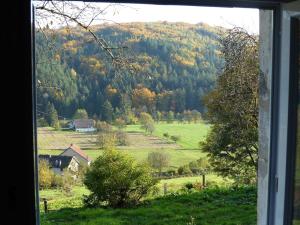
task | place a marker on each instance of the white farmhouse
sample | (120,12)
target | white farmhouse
(83,125)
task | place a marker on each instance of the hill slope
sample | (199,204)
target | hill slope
(176,64)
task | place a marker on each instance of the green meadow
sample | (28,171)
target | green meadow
(180,153)
(57,199)
(217,206)
(190,133)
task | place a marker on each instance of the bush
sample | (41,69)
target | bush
(189,186)
(56,181)
(56,125)
(183,170)
(198,186)
(172,172)
(104,127)
(48,179)
(68,182)
(166,135)
(122,138)
(107,140)
(116,180)
(130,118)
(196,170)
(201,166)
(175,138)
(41,122)
(120,123)
(81,174)
(45,174)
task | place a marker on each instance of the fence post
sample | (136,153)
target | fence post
(165,188)
(45,205)
(203,180)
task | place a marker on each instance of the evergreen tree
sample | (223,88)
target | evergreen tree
(107,111)
(80,114)
(51,116)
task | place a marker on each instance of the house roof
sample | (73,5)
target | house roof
(58,161)
(77,149)
(83,123)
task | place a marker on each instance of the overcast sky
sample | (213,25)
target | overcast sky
(226,17)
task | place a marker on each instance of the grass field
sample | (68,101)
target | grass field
(222,206)
(183,152)
(177,157)
(190,133)
(58,199)
(48,138)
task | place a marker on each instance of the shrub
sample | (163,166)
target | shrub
(183,170)
(56,125)
(56,181)
(106,140)
(166,135)
(122,138)
(200,166)
(81,173)
(189,186)
(104,127)
(68,182)
(212,184)
(130,118)
(196,170)
(45,174)
(115,179)
(172,172)
(64,123)
(170,117)
(203,163)
(41,122)
(120,123)
(175,138)
(198,185)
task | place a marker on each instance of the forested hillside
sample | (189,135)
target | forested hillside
(175,65)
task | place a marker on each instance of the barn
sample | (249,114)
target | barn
(83,125)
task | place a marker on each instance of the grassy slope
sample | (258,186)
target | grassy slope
(216,206)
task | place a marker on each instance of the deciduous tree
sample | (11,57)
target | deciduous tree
(147,122)
(158,160)
(232,144)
